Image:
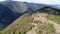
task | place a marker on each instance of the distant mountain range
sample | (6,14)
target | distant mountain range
(25,6)
(56,6)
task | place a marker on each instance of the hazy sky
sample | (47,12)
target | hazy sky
(41,1)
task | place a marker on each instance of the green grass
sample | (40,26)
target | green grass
(55,18)
(45,29)
(20,25)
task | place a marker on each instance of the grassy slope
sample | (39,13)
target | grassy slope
(55,18)
(20,24)
(46,29)
(23,24)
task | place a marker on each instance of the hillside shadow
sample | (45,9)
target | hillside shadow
(7,16)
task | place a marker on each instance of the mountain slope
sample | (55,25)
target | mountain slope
(19,8)
(6,16)
(29,20)
(10,11)
(24,24)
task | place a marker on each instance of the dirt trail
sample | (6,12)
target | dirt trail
(45,20)
(41,17)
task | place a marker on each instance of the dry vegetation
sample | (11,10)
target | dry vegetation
(21,25)
(45,29)
(55,18)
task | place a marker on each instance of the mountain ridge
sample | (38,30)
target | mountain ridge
(16,9)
